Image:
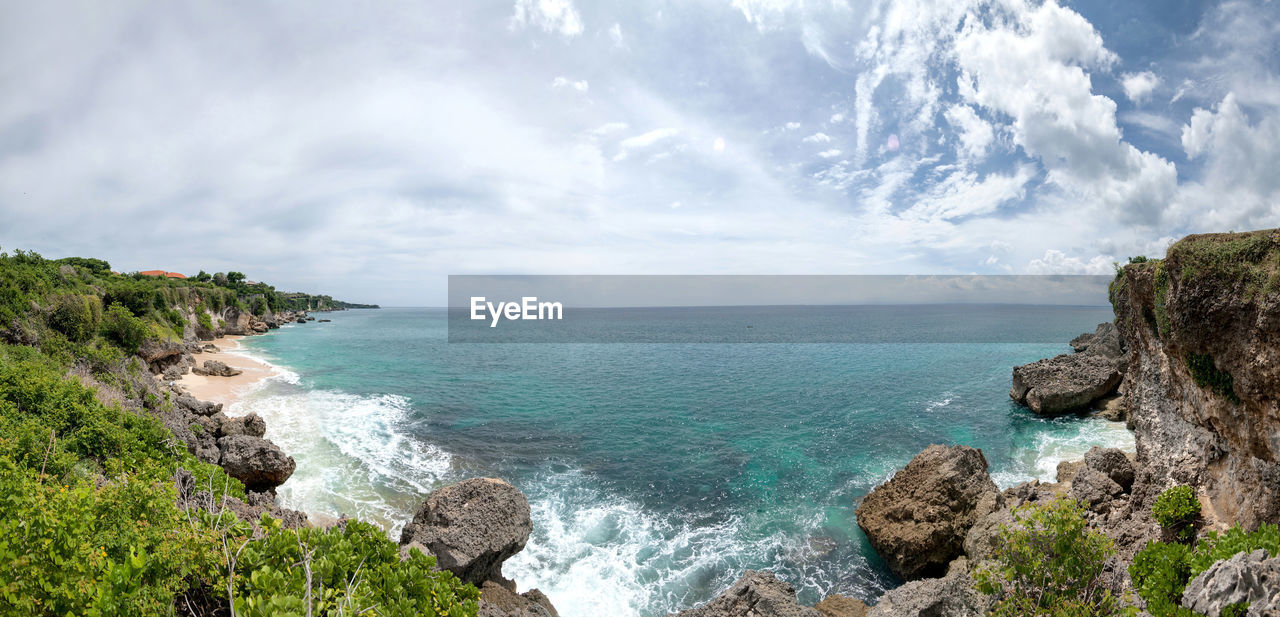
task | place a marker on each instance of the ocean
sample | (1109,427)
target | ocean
(658,472)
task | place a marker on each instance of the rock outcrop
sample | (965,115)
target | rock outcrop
(258,463)
(756,594)
(953,595)
(214,368)
(1074,381)
(1245,578)
(836,605)
(918,520)
(471,528)
(1203,374)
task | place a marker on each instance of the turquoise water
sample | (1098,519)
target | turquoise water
(656,472)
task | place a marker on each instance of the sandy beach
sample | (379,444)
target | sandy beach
(225,390)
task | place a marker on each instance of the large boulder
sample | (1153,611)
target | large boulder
(1245,578)
(1065,383)
(251,424)
(1112,462)
(918,520)
(756,594)
(497,600)
(836,605)
(1104,341)
(472,527)
(215,368)
(258,463)
(953,595)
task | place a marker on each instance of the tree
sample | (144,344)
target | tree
(220,279)
(203,277)
(235,278)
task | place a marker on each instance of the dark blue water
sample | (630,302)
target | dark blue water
(657,472)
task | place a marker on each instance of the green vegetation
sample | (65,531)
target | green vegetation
(1161,570)
(1049,563)
(1177,509)
(1207,375)
(90,522)
(1161,312)
(1249,259)
(1236,610)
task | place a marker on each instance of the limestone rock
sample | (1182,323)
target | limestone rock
(216,369)
(836,605)
(918,520)
(258,463)
(1252,578)
(1065,383)
(756,594)
(472,527)
(951,596)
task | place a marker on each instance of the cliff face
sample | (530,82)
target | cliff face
(1203,377)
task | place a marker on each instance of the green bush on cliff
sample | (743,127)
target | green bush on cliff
(76,316)
(1177,509)
(1207,375)
(1049,562)
(1161,570)
(1249,260)
(350,568)
(121,327)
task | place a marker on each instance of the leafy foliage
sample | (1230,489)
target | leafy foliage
(120,327)
(1176,509)
(1207,375)
(1160,572)
(1049,563)
(1249,260)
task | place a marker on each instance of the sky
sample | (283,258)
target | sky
(368,150)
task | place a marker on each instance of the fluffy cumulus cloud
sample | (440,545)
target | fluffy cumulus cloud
(1139,86)
(369,151)
(559,16)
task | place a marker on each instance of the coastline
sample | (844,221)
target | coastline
(226,390)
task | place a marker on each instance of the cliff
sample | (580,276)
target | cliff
(1203,377)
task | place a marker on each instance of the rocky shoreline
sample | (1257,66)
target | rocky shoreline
(1208,424)
(1192,363)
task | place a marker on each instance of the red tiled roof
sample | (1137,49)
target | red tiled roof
(172,275)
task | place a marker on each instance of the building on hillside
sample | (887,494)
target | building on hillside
(172,275)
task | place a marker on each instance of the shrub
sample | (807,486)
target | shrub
(1176,509)
(1236,610)
(1138,259)
(121,327)
(1048,562)
(1160,572)
(204,320)
(75,316)
(1217,546)
(349,565)
(1207,375)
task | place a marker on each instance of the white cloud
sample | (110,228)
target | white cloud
(817,138)
(1030,65)
(557,16)
(580,85)
(836,118)
(643,141)
(1239,187)
(791,126)
(961,194)
(1057,262)
(615,34)
(976,134)
(1139,86)
(829,154)
(610,128)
